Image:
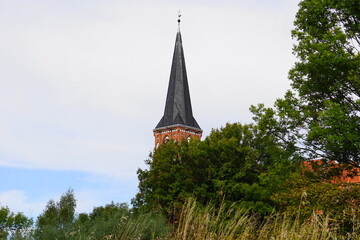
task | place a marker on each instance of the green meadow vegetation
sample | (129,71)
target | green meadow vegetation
(196,221)
(248,181)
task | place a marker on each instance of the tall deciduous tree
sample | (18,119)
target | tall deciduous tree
(238,164)
(322,112)
(57,218)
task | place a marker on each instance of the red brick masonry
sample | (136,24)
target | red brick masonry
(346,176)
(176,133)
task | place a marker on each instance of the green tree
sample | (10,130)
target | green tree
(14,226)
(241,164)
(112,221)
(327,77)
(169,179)
(321,114)
(103,220)
(57,219)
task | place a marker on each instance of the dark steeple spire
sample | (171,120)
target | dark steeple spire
(178,109)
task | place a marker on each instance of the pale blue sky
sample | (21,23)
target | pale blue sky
(83,83)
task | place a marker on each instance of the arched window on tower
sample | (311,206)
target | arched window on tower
(166,139)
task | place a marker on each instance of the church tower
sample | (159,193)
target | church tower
(178,122)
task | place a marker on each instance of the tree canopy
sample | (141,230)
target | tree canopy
(58,218)
(238,164)
(13,225)
(327,76)
(321,114)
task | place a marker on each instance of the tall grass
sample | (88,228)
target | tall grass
(205,223)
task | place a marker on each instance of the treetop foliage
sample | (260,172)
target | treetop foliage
(321,114)
(12,225)
(240,164)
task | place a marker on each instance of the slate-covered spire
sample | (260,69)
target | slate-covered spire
(178,109)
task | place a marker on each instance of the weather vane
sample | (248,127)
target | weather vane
(179,16)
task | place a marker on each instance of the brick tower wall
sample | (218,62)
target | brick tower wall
(177,134)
